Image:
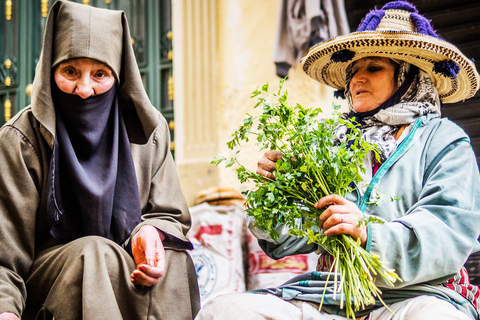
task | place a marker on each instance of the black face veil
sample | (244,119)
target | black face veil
(92,187)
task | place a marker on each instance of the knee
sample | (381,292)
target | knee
(223,306)
(86,245)
(430,307)
(94,248)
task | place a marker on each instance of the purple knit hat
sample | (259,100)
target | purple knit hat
(396,31)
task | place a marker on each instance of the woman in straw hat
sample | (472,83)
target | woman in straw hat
(92,218)
(395,72)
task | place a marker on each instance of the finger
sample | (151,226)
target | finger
(337,214)
(334,204)
(266,164)
(139,277)
(329,200)
(339,222)
(265,173)
(334,209)
(349,229)
(273,155)
(143,280)
(334,220)
(339,228)
(154,272)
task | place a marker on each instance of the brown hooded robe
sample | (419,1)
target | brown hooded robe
(89,278)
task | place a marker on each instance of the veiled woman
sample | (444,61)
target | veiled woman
(92,218)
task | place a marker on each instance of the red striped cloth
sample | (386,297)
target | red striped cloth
(461,284)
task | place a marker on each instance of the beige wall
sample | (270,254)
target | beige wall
(222,52)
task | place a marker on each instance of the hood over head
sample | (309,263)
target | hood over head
(98,34)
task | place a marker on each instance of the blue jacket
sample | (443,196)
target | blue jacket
(430,232)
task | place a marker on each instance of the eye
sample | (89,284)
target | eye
(102,74)
(69,71)
(374,68)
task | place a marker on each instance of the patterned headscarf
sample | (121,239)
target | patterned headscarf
(416,96)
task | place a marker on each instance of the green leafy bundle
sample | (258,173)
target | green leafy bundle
(314,164)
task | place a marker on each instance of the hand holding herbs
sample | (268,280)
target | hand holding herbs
(314,164)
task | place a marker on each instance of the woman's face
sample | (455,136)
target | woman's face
(84,77)
(372,83)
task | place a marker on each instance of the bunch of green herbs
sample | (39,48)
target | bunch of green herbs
(314,164)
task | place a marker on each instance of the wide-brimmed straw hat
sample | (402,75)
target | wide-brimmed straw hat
(396,31)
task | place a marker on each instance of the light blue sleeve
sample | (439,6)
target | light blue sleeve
(285,245)
(431,240)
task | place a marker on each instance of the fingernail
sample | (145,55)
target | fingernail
(151,263)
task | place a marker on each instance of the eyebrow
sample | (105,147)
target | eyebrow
(379,59)
(75,63)
(373,59)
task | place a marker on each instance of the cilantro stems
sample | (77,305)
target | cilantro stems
(314,164)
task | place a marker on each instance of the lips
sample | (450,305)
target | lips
(360,91)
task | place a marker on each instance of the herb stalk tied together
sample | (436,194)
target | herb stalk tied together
(314,164)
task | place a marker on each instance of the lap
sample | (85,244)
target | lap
(92,274)
(254,306)
(89,271)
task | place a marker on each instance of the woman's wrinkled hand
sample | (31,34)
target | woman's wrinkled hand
(341,217)
(8,316)
(266,165)
(149,255)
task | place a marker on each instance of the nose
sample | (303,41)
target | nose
(84,87)
(359,77)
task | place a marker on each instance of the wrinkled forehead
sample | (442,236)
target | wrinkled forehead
(82,31)
(79,62)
